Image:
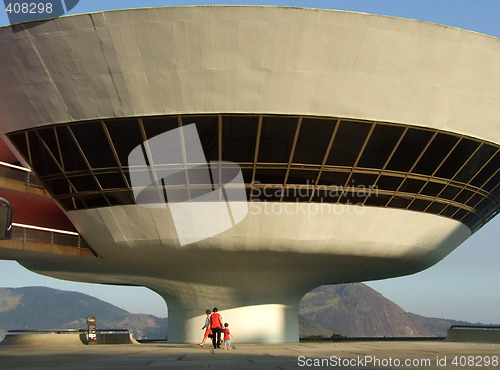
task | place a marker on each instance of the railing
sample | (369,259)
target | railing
(21,175)
(35,238)
(42,239)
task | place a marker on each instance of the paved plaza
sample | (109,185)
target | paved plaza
(352,355)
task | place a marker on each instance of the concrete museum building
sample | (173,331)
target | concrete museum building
(368,148)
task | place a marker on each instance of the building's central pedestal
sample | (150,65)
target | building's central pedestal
(267,323)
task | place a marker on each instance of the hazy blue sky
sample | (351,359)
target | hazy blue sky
(463,286)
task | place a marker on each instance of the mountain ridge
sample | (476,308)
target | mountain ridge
(33,308)
(351,310)
(356,310)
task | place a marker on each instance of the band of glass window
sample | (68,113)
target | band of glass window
(331,160)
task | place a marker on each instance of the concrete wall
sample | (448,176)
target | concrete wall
(65,339)
(473,335)
(247,60)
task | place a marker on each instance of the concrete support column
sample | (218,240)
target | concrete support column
(261,322)
(266,323)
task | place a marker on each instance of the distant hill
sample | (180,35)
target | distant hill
(46,308)
(352,310)
(356,310)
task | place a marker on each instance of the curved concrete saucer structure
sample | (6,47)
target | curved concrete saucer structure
(368,148)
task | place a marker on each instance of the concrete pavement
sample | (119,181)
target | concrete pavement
(352,355)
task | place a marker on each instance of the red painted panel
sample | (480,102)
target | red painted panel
(35,210)
(5,153)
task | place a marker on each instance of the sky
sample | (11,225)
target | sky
(463,286)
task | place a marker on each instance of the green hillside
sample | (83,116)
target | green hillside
(356,310)
(351,310)
(46,308)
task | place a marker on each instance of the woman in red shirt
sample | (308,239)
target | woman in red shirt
(216,326)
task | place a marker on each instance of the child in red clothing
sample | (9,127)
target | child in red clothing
(227,336)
